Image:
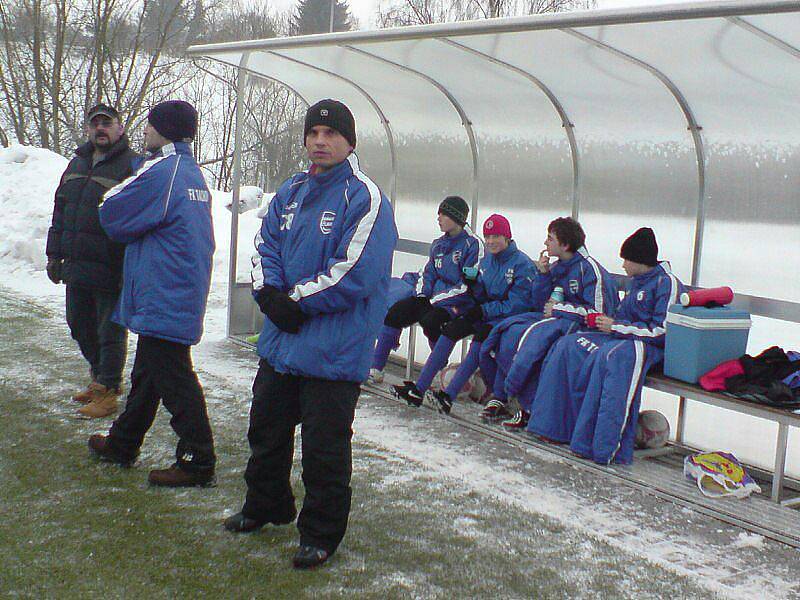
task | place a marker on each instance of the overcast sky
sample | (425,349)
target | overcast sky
(365,10)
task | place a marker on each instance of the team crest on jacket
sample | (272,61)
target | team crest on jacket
(510,276)
(574,286)
(457,256)
(326,221)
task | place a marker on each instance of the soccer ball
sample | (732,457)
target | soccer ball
(473,390)
(652,429)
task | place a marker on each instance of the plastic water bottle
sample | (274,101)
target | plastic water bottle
(557,295)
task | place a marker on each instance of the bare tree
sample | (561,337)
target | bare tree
(422,12)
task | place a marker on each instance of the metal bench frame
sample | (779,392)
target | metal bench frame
(755,305)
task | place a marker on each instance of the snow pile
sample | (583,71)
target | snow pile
(28,180)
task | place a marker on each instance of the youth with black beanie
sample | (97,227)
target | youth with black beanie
(441,293)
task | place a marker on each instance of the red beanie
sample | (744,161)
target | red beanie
(497,225)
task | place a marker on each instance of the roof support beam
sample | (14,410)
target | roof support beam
(384,121)
(236,182)
(766,36)
(566,122)
(694,129)
(465,121)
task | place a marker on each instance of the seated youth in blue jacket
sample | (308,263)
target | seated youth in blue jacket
(591,383)
(501,287)
(441,293)
(520,344)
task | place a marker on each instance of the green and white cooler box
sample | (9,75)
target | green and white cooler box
(700,338)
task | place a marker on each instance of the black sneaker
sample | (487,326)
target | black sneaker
(408,392)
(442,401)
(494,409)
(238,523)
(308,557)
(518,421)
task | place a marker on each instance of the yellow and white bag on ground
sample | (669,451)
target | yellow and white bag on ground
(719,474)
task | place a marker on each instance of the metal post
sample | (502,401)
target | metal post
(681,420)
(780,461)
(333,7)
(694,129)
(465,120)
(566,123)
(412,346)
(236,179)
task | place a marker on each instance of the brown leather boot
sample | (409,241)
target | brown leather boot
(98,443)
(102,404)
(174,476)
(85,396)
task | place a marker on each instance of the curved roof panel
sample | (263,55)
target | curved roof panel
(686,117)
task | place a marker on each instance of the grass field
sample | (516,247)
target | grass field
(75,527)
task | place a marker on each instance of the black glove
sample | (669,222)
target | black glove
(423,303)
(474,314)
(53,269)
(284,312)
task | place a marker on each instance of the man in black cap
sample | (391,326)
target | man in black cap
(441,293)
(80,254)
(325,248)
(163,214)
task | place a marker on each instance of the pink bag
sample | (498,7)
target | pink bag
(714,380)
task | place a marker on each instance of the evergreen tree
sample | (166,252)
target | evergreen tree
(313,16)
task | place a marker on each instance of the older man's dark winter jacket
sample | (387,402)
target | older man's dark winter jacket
(90,258)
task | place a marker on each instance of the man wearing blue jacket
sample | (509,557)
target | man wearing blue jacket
(501,287)
(163,214)
(522,342)
(326,246)
(591,383)
(441,293)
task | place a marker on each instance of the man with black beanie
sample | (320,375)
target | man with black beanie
(325,248)
(441,293)
(590,387)
(81,255)
(163,214)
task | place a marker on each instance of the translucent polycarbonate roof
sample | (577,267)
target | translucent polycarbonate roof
(684,117)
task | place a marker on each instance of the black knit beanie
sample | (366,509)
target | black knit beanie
(333,114)
(456,208)
(641,247)
(174,119)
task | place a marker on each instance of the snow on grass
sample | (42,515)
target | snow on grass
(28,178)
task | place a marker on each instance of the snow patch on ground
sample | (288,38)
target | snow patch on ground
(749,540)
(28,178)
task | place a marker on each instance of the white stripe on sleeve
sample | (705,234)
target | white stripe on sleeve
(451,293)
(598,273)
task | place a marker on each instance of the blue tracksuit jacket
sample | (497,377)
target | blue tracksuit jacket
(591,382)
(327,240)
(163,213)
(520,343)
(504,281)
(442,281)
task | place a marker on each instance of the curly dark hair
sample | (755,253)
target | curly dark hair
(568,232)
